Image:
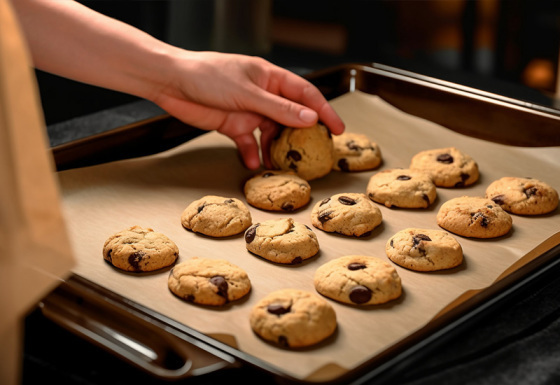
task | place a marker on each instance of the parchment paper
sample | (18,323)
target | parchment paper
(153,191)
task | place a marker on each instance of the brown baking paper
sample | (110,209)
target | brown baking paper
(34,247)
(153,191)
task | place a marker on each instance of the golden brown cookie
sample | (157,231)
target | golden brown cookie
(355,152)
(216,216)
(206,281)
(448,167)
(424,249)
(402,188)
(275,190)
(293,318)
(140,249)
(475,217)
(358,280)
(307,151)
(524,196)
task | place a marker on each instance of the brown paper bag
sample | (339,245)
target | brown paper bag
(35,251)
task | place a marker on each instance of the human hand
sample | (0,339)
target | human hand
(236,94)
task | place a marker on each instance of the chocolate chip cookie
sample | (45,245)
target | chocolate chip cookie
(524,196)
(474,217)
(448,167)
(206,281)
(293,318)
(308,151)
(282,241)
(358,280)
(403,188)
(216,216)
(275,190)
(424,249)
(140,249)
(355,152)
(350,214)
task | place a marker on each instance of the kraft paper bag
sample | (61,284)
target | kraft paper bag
(35,252)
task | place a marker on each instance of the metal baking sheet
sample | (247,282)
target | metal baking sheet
(153,190)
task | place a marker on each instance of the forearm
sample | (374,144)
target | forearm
(73,41)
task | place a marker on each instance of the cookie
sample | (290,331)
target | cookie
(358,280)
(140,249)
(348,214)
(293,318)
(205,281)
(355,152)
(424,250)
(474,217)
(277,191)
(308,151)
(282,241)
(403,188)
(524,196)
(448,167)
(216,216)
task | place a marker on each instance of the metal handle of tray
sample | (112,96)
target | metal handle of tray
(135,338)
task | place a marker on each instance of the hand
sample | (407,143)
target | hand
(235,94)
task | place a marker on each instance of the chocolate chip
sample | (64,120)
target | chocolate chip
(297,261)
(325,216)
(483,218)
(294,155)
(360,294)
(530,192)
(283,341)
(267,174)
(353,146)
(392,243)
(404,177)
(222,285)
(356,266)
(499,199)
(200,208)
(346,200)
(418,238)
(134,259)
(324,201)
(251,233)
(445,158)
(190,298)
(427,199)
(343,165)
(293,166)
(464,176)
(277,309)
(287,206)
(109,255)
(228,201)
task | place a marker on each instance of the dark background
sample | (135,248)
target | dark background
(506,46)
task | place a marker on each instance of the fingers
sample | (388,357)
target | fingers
(293,101)
(269,130)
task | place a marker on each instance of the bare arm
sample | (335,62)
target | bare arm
(233,94)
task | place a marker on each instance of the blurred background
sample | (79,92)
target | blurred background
(510,47)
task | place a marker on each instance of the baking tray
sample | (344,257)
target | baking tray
(173,350)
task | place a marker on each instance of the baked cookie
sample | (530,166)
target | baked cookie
(474,217)
(216,216)
(293,318)
(448,167)
(308,151)
(277,191)
(208,281)
(403,188)
(282,241)
(140,249)
(424,250)
(348,214)
(355,152)
(358,280)
(525,196)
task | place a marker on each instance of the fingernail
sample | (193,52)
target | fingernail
(308,116)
